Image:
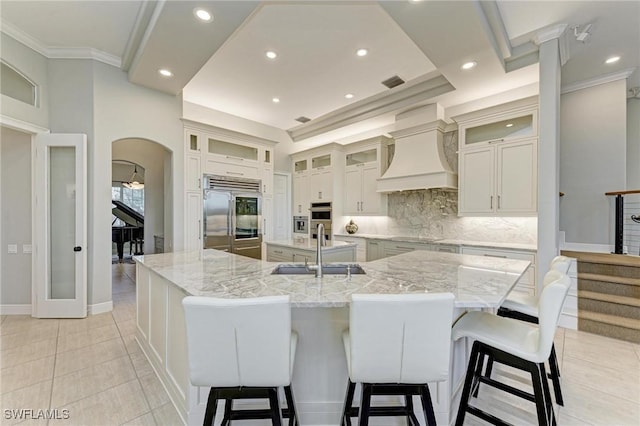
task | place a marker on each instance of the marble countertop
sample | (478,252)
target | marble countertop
(476,282)
(309,244)
(456,242)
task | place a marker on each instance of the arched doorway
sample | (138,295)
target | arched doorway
(149,164)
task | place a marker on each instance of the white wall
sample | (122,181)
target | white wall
(633,143)
(149,155)
(593,144)
(34,67)
(121,111)
(15,193)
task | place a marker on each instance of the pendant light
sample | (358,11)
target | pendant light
(133,183)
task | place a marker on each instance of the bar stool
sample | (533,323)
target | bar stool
(241,349)
(525,308)
(396,344)
(514,343)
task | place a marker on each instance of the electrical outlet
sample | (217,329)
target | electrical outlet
(13,249)
(27,248)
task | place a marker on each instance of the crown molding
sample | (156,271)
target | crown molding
(23,126)
(59,52)
(226,134)
(421,89)
(549,33)
(145,12)
(602,79)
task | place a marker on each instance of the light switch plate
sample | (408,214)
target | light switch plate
(13,248)
(27,248)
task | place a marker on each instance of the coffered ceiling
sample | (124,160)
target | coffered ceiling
(222,64)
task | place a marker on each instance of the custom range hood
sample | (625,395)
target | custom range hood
(419,161)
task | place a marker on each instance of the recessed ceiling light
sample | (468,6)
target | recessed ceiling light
(469,65)
(362,52)
(349,96)
(271,54)
(203,14)
(275,100)
(612,60)
(165,72)
(509,125)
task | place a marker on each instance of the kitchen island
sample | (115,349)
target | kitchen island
(319,315)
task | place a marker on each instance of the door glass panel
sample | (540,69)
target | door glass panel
(362,157)
(247,211)
(301,166)
(62,223)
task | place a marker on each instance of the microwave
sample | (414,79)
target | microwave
(321,211)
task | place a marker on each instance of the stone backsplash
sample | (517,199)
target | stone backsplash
(433,213)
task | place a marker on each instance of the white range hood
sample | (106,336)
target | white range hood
(419,161)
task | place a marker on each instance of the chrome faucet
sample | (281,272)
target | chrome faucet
(320,242)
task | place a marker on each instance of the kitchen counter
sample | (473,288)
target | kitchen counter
(476,282)
(319,314)
(447,241)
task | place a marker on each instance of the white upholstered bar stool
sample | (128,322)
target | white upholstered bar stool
(514,343)
(241,349)
(396,344)
(525,308)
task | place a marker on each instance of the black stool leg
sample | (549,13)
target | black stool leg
(275,407)
(537,380)
(555,376)
(348,401)
(412,420)
(427,405)
(551,416)
(293,417)
(228,405)
(466,390)
(212,406)
(476,383)
(365,405)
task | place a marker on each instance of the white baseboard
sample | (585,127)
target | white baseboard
(15,309)
(100,308)
(591,248)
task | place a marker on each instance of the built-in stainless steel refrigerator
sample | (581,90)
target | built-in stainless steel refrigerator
(232,215)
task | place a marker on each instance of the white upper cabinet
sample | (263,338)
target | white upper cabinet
(317,176)
(498,161)
(365,162)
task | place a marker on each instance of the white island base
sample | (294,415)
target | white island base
(320,373)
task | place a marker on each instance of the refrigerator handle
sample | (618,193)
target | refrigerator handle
(232,216)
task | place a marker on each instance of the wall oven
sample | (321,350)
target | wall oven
(320,214)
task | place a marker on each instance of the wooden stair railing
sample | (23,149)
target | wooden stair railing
(620,215)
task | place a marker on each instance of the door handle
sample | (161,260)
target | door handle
(77,248)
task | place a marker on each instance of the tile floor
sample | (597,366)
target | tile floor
(94,369)
(91,367)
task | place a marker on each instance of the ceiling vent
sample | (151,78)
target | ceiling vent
(302,119)
(393,82)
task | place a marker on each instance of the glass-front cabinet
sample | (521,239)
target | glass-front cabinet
(507,128)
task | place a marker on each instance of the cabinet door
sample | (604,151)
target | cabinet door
(477,171)
(321,185)
(267,181)
(517,177)
(374,250)
(267,218)
(194,174)
(371,200)
(193,217)
(300,194)
(193,141)
(352,190)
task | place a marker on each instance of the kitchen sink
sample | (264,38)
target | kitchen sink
(328,269)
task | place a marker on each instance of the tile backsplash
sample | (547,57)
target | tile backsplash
(433,213)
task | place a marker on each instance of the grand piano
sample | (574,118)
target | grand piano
(132,232)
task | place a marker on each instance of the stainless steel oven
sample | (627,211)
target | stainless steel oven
(301,224)
(320,213)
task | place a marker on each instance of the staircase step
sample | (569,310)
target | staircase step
(604,258)
(609,304)
(609,279)
(611,298)
(609,325)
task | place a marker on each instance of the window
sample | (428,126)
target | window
(133,198)
(16,86)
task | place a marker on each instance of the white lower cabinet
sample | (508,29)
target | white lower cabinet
(527,283)
(277,253)
(361,246)
(374,250)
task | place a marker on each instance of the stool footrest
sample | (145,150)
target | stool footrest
(507,388)
(486,416)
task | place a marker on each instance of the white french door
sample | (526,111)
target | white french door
(60,226)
